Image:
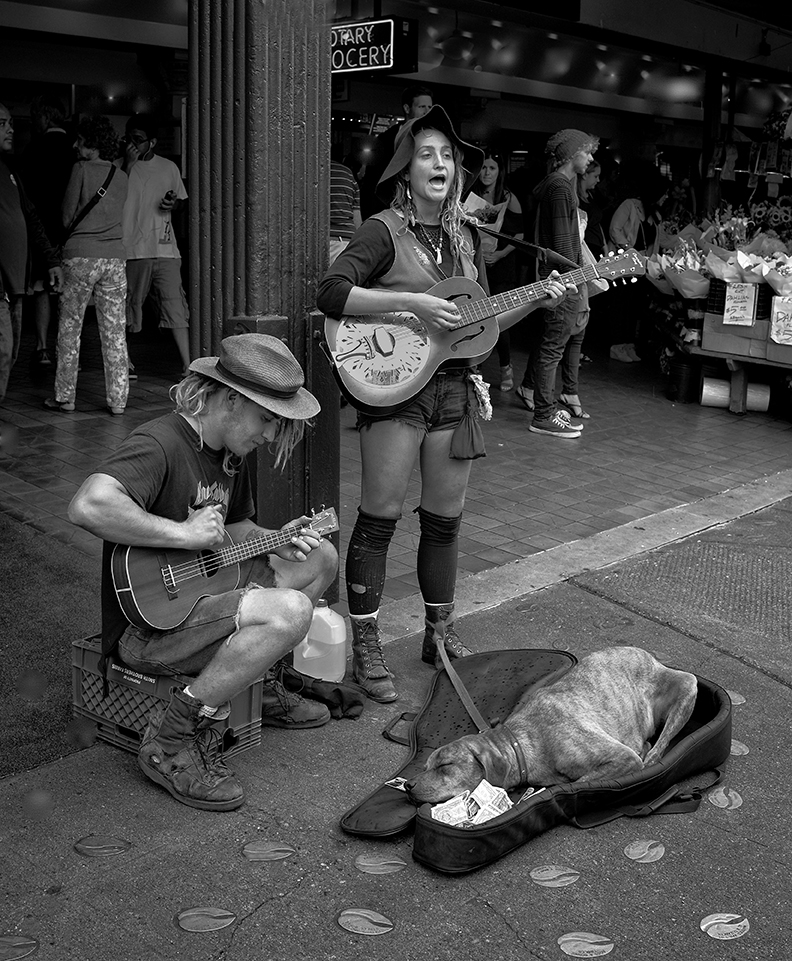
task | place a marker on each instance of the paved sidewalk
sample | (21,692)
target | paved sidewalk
(625,586)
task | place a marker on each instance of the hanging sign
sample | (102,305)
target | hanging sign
(366,46)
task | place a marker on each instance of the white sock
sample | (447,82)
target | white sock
(205,710)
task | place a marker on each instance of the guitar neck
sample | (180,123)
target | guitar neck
(254,546)
(478,310)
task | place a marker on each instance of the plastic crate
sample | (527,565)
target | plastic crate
(716,299)
(121,717)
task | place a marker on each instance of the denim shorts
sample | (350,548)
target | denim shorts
(188,648)
(441,405)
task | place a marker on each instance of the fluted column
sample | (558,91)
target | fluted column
(258,179)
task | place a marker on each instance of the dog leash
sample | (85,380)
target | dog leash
(459,687)
(473,711)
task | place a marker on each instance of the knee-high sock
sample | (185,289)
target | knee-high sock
(437,557)
(366,561)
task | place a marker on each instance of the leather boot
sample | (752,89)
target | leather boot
(174,754)
(439,621)
(368,663)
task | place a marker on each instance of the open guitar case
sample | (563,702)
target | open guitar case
(494,682)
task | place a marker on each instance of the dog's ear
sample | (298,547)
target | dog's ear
(495,766)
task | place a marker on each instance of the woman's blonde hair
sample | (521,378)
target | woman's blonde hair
(191,396)
(452,214)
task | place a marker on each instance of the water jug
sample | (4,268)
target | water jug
(322,652)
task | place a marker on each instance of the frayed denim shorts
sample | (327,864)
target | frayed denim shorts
(441,405)
(188,648)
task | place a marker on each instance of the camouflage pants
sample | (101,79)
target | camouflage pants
(105,278)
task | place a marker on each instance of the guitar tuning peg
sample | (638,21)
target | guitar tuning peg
(633,280)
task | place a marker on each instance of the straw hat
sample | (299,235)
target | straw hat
(404,145)
(264,370)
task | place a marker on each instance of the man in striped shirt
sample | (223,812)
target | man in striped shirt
(344,207)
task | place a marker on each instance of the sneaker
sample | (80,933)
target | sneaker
(556,426)
(620,352)
(282,708)
(567,416)
(525,396)
(507,378)
(132,371)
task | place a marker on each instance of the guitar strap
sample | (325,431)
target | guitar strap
(543,254)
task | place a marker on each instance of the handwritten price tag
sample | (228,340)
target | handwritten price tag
(740,304)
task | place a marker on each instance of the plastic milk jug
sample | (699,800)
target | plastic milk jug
(322,652)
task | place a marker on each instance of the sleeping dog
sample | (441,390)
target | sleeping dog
(612,714)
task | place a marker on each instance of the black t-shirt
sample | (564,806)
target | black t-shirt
(164,472)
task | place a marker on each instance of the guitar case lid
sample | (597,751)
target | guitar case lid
(496,681)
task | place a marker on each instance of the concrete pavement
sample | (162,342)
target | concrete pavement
(622,586)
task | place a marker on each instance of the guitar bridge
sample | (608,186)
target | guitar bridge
(167,577)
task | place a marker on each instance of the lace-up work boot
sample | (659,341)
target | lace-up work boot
(368,662)
(283,708)
(440,620)
(174,753)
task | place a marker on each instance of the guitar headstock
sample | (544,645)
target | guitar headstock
(325,522)
(628,263)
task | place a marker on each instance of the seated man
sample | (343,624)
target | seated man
(180,481)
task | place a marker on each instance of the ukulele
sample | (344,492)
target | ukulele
(158,587)
(382,361)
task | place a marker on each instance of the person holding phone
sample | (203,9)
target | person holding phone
(153,258)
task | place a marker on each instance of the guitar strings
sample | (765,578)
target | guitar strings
(214,562)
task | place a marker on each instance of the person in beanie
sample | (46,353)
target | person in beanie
(569,152)
(391,264)
(181,481)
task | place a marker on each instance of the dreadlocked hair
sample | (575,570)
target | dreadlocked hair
(191,396)
(452,214)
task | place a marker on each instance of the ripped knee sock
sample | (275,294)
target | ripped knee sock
(366,561)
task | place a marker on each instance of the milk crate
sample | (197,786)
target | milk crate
(121,717)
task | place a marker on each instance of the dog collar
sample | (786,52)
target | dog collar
(518,752)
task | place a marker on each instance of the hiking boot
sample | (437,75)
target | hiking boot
(282,708)
(555,426)
(368,663)
(174,753)
(440,622)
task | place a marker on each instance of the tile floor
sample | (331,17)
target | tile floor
(639,454)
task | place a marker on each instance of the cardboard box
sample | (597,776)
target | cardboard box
(781,323)
(779,353)
(728,339)
(121,717)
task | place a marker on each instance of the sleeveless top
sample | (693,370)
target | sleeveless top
(415,270)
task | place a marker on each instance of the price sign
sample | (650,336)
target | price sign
(740,306)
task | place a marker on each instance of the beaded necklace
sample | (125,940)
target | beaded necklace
(433,242)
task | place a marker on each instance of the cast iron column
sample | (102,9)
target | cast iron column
(258,179)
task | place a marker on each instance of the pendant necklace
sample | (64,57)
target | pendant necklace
(433,243)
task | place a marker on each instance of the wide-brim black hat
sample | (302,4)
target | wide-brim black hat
(435,119)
